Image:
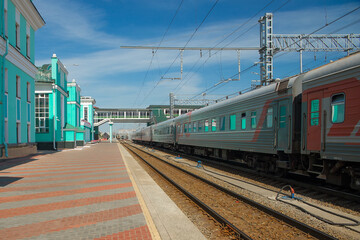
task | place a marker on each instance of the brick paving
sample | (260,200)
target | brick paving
(71,194)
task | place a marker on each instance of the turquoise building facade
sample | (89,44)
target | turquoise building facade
(74,133)
(51,105)
(19,21)
(87,117)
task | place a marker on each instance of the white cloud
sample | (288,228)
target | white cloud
(104,74)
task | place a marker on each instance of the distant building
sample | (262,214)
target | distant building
(51,104)
(19,21)
(160,113)
(74,134)
(87,117)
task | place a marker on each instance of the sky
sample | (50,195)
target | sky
(86,35)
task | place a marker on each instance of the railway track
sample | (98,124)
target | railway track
(246,218)
(316,190)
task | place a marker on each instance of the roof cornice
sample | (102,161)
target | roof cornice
(31,14)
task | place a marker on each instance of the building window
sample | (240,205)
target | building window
(222,123)
(6,131)
(28,46)
(253,120)
(232,122)
(6,19)
(213,124)
(269,118)
(6,106)
(42,113)
(77,116)
(338,108)
(86,113)
(243,121)
(62,111)
(18,132)
(18,109)
(17,35)
(28,112)
(6,80)
(29,133)
(28,92)
(314,114)
(18,87)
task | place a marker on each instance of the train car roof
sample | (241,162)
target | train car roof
(337,66)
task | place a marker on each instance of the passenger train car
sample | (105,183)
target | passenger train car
(307,124)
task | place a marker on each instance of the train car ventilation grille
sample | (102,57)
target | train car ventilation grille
(282,86)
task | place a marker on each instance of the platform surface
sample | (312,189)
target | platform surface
(93,192)
(85,193)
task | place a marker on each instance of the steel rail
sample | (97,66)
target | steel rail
(198,202)
(238,166)
(293,222)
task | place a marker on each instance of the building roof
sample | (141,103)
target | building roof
(44,74)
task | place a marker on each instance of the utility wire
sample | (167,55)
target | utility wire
(191,37)
(154,53)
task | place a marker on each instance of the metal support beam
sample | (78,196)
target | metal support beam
(266,48)
(193,48)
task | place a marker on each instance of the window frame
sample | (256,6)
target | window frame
(235,115)
(222,123)
(252,117)
(206,125)
(313,113)
(243,117)
(331,107)
(213,128)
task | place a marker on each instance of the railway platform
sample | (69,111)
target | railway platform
(94,192)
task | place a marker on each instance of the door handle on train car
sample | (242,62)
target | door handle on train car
(303,131)
(289,137)
(324,132)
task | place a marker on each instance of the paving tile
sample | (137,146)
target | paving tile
(83,194)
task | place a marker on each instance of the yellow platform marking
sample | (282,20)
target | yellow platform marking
(153,230)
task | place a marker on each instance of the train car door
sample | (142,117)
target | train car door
(314,121)
(283,125)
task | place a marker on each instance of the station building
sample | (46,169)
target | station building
(51,100)
(58,108)
(74,134)
(19,21)
(87,117)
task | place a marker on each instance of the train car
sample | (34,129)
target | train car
(163,134)
(256,126)
(331,121)
(307,124)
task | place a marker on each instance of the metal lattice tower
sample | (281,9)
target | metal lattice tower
(271,43)
(266,48)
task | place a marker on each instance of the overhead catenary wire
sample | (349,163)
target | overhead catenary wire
(191,37)
(154,53)
(237,29)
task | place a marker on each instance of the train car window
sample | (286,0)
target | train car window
(189,127)
(185,128)
(232,122)
(222,123)
(338,108)
(213,125)
(269,118)
(282,116)
(314,115)
(253,120)
(200,125)
(206,125)
(195,126)
(243,121)
(181,128)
